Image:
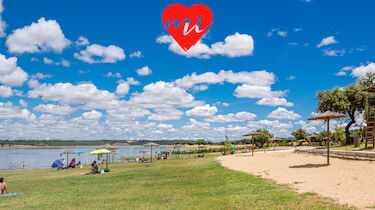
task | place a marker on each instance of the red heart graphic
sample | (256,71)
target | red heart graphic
(187,25)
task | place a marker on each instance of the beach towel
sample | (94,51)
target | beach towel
(9,194)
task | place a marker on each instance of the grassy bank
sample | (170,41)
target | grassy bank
(170,184)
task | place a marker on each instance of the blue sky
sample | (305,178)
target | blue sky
(259,66)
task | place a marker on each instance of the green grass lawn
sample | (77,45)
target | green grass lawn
(351,147)
(200,183)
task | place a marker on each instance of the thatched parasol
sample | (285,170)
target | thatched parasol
(67,152)
(143,151)
(252,134)
(151,144)
(327,116)
(110,148)
(275,139)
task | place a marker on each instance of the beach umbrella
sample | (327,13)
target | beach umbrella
(252,134)
(67,152)
(160,153)
(100,152)
(327,116)
(143,151)
(109,147)
(58,163)
(178,146)
(151,144)
(78,152)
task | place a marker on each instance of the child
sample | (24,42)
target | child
(3,187)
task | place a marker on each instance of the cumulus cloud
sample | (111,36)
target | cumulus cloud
(144,71)
(5,92)
(9,111)
(274,102)
(82,41)
(327,41)
(163,95)
(231,117)
(109,54)
(202,111)
(41,36)
(113,75)
(92,115)
(10,73)
(54,109)
(122,89)
(68,93)
(253,91)
(283,114)
(3,24)
(236,45)
(136,54)
(63,62)
(362,70)
(166,115)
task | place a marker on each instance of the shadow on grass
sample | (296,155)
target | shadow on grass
(309,166)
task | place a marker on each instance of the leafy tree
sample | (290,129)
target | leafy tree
(339,133)
(299,134)
(227,145)
(261,140)
(348,100)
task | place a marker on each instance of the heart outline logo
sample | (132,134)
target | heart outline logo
(187,25)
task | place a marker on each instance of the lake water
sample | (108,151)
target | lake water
(44,157)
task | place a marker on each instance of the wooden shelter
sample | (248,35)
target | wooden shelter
(151,144)
(327,116)
(252,134)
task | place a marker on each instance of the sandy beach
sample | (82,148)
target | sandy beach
(346,181)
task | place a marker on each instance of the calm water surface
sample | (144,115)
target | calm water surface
(44,157)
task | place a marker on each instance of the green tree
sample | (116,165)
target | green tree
(339,133)
(261,140)
(347,100)
(299,134)
(227,145)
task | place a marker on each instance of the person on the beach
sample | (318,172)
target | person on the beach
(3,187)
(22,165)
(10,166)
(94,169)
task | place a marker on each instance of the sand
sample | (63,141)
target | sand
(349,182)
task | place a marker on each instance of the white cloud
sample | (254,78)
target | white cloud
(144,71)
(225,104)
(362,70)
(333,52)
(274,102)
(282,33)
(202,111)
(277,31)
(68,93)
(40,76)
(132,81)
(231,117)
(92,115)
(235,45)
(42,36)
(63,62)
(113,75)
(253,91)
(54,109)
(109,54)
(261,78)
(10,73)
(283,114)
(9,111)
(136,54)
(122,89)
(291,78)
(163,95)
(166,115)
(327,41)
(5,91)
(23,103)
(3,24)
(82,41)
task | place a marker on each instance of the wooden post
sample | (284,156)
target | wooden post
(328,139)
(252,148)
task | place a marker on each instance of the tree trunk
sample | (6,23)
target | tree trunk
(347,127)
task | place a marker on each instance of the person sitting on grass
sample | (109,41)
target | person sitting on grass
(72,164)
(94,169)
(3,187)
